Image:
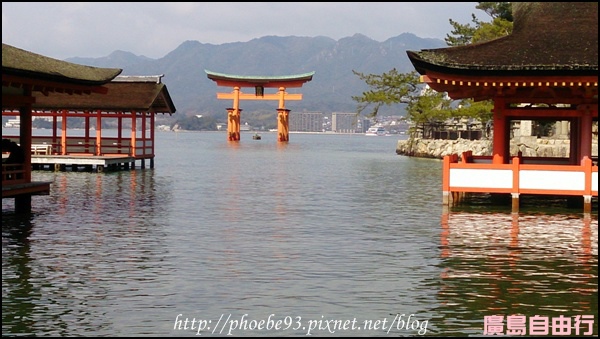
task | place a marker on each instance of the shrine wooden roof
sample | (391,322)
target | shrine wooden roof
(296,80)
(23,69)
(125,94)
(554,45)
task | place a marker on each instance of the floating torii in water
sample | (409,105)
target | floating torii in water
(259,83)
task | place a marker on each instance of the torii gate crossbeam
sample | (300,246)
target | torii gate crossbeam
(259,83)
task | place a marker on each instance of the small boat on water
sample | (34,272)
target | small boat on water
(256,136)
(376,131)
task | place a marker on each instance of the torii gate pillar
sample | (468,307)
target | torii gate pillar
(283,124)
(233,124)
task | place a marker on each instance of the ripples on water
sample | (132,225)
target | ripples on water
(325,227)
(501,263)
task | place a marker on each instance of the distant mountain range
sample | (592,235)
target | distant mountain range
(330,90)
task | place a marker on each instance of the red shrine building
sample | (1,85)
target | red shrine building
(25,75)
(35,86)
(547,69)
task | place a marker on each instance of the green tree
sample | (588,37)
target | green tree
(386,89)
(426,106)
(481,31)
(480,110)
(428,111)
(502,10)
(195,123)
(501,25)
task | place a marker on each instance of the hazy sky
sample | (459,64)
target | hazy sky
(95,29)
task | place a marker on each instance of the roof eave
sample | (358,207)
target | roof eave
(422,65)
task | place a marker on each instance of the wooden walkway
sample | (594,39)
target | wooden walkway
(87,163)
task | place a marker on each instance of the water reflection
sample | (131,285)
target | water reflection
(504,264)
(333,226)
(18,293)
(95,245)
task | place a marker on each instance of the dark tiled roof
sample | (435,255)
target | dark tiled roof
(558,38)
(21,63)
(260,80)
(124,95)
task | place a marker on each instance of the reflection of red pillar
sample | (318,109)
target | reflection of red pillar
(514,231)
(283,131)
(98,202)
(132,193)
(63,200)
(587,263)
(586,237)
(444,242)
(514,240)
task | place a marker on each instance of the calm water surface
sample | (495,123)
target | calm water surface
(326,227)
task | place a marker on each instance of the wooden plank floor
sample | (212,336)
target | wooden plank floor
(75,162)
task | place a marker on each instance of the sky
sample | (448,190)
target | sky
(63,30)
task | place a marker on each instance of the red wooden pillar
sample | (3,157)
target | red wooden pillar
(25,130)
(585,150)
(238,123)
(234,113)
(233,124)
(587,196)
(283,124)
(87,131)
(98,132)
(500,140)
(143,136)
(120,126)
(230,123)
(152,135)
(54,129)
(133,129)
(446,197)
(585,134)
(515,192)
(23,201)
(574,140)
(63,137)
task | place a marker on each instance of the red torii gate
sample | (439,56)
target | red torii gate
(259,83)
